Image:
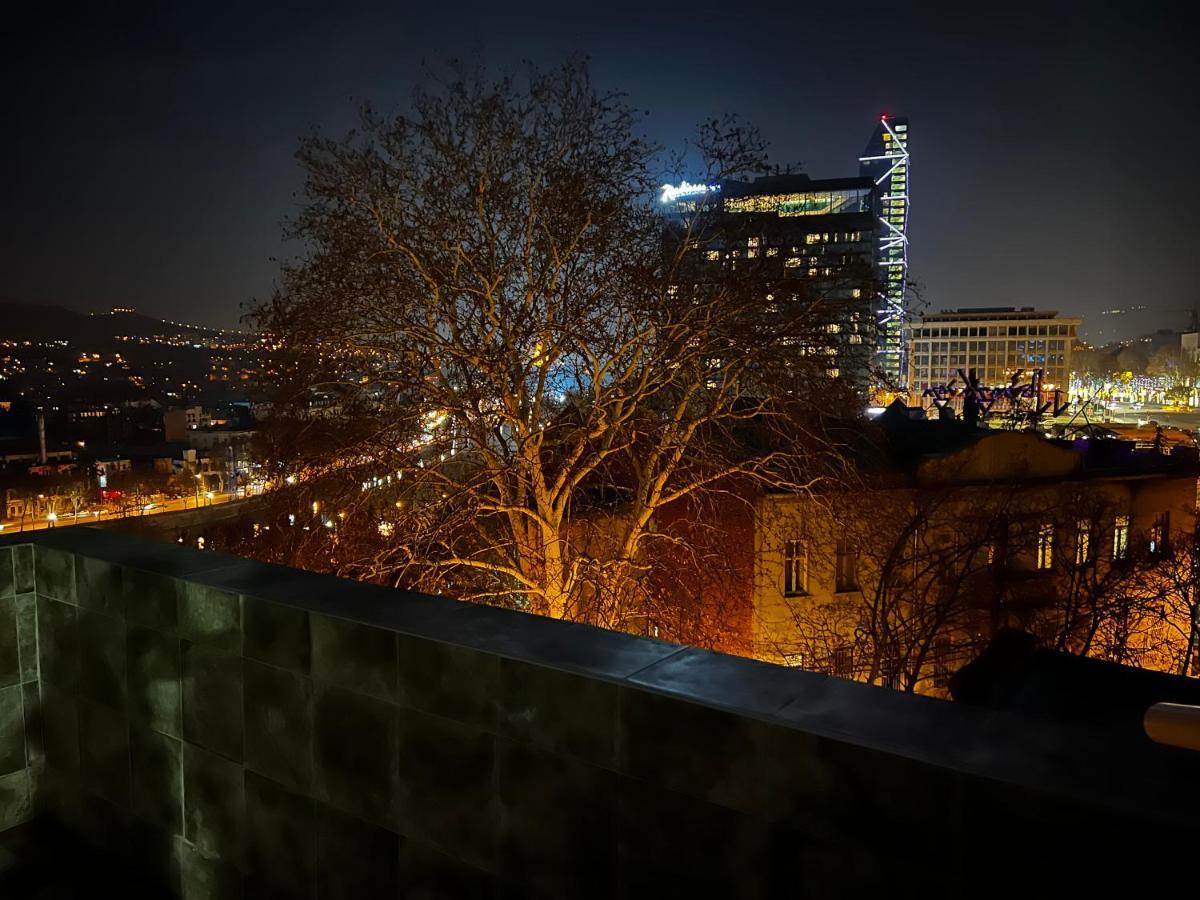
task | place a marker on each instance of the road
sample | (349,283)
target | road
(12,526)
(1126,413)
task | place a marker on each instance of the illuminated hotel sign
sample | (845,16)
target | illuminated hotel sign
(683,190)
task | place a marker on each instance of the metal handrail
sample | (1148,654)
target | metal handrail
(1173,724)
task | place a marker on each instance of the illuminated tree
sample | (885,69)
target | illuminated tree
(533,386)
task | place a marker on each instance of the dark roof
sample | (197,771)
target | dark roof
(909,439)
(1014,673)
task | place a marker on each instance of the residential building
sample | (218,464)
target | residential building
(1189,346)
(178,422)
(966,531)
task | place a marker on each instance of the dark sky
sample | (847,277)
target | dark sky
(148,148)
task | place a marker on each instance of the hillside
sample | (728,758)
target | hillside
(30,322)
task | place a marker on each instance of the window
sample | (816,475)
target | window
(1045,546)
(890,674)
(1120,548)
(1160,533)
(843,662)
(1083,542)
(846,567)
(941,662)
(795,568)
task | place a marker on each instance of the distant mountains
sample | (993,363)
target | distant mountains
(34,322)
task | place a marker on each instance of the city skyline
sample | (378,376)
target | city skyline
(157,153)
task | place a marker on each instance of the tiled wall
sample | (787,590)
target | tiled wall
(233,729)
(18,684)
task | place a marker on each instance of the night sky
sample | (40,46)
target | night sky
(148,147)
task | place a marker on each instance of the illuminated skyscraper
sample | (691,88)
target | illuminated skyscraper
(886,161)
(811,241)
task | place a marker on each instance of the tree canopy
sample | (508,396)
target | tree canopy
(527,376)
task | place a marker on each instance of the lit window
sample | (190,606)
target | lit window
(772,251)
(1083,542)
(1045,546)
(795,568)
(1120,537)
(1160,533)
(833,328)
(714,255)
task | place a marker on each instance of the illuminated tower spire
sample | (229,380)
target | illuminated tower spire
(886,160)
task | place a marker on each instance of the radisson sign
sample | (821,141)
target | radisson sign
(683,190)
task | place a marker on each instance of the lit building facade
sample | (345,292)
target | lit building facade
(845,237)
(886,162)
(790,228)
(995,342)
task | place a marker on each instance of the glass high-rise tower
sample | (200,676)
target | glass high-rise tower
(886,161)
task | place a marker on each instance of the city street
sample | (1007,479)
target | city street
(1133,414)
(93,517)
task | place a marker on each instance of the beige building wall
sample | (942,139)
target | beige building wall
(995,344)
(810,617)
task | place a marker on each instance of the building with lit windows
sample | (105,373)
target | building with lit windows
(845,237)
(886,162)
(996,342)
(789,228)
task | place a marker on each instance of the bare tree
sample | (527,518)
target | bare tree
(532,385)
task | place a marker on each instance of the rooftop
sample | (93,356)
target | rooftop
(993,313)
